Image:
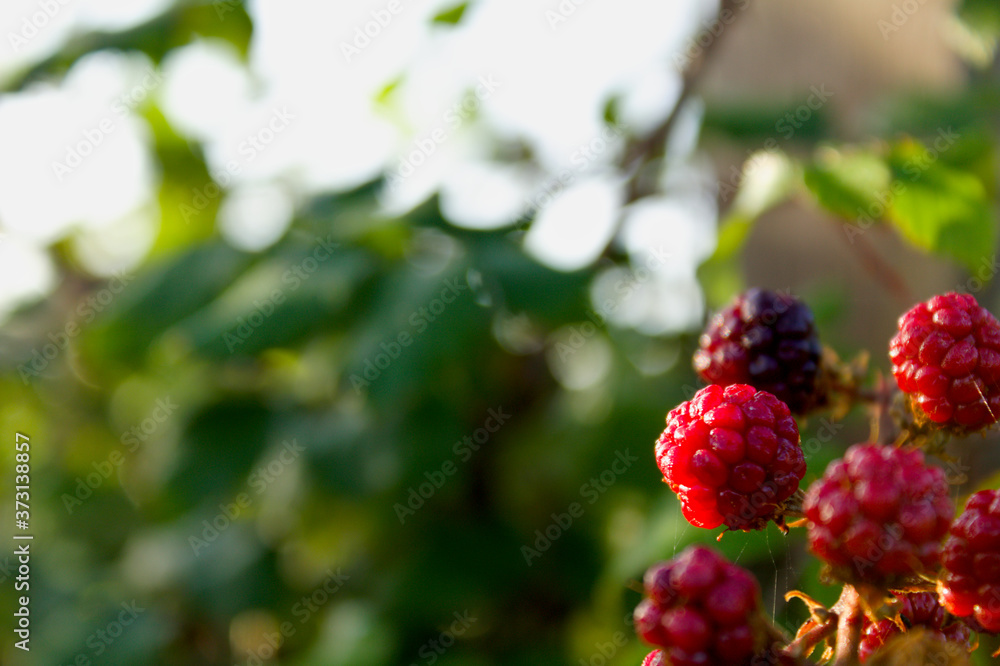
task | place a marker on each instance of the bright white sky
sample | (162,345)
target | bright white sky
(301,118)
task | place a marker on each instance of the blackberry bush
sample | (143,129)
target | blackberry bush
(916,583)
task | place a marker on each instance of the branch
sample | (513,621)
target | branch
(879,269)
(641,152)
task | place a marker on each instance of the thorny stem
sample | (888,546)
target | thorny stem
(849,619)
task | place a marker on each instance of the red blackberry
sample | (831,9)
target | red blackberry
(879,514)
(732,456)
(766,340)
(919,609)
(971,559)
(946,356)
(702,610)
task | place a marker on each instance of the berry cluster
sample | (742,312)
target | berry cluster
(732,456)
(918,609)
(946,356)
(971,559)
(701,610)
(879,514)
(878,517)
(767,340)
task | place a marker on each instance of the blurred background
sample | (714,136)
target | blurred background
(342,331)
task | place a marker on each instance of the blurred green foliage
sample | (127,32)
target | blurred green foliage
(324,475)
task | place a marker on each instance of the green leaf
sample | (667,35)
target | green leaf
(847,184)
(385,95)
(939,208)
(152,302)
(278,303)
(981,14)
(451,16)
(175,27)
(973,152)
(218,450)
(612,111)
(767,123)
(189,196)
(768,179)
(721,275)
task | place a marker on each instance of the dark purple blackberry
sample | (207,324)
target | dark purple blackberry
(767,340)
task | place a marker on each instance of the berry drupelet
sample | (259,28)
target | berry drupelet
(654,658)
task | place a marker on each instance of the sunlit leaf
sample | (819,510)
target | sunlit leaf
(940,209)
(451,16)
(849,184)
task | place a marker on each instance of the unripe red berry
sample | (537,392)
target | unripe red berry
(701,609)
(732,455)
(917,609)
(971,559)
(879,514)
(946,356)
